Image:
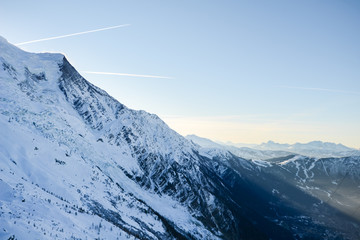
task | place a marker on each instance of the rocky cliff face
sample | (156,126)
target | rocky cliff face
(76,164)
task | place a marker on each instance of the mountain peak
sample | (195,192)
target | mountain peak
(9,50)
(28,68)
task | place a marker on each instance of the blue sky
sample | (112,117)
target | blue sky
(241,71)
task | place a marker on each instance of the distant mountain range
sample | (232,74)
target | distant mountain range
(272,149)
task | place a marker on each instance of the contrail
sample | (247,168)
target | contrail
(322,90)
(72,34)
(127,74)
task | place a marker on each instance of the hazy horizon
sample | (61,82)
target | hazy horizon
(263,142)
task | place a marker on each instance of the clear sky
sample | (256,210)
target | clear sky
(241,71)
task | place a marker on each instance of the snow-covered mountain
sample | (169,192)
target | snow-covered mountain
(272,149)
(77,164)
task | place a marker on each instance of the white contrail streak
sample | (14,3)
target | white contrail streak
(72,34)
(322,90)
(127,74)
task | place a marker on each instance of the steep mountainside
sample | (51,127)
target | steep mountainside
(77,164)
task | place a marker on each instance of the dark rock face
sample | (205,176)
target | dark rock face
(92,103)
